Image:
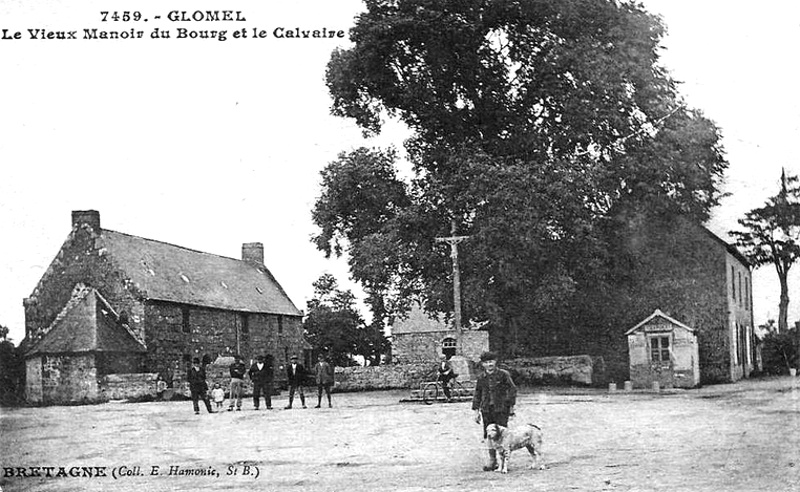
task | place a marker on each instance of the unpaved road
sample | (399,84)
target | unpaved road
(741,437)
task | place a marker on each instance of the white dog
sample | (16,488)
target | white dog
(507,440)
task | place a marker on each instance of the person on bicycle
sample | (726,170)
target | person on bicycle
(445,374)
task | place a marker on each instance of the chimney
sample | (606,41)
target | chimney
(88,217)
(253,253)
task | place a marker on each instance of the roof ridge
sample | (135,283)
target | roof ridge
(176,246)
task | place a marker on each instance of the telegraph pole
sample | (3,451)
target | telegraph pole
(453,241)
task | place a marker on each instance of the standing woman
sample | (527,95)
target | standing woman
(198,386)
(324,373)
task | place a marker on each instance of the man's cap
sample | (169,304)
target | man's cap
(487,356)
(294,357)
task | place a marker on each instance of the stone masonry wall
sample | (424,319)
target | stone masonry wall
(214,332)
(577,369)
(390,376)
(581,369)
(33,380)
(427,346)
(128,386)
(81,259)
(69,379)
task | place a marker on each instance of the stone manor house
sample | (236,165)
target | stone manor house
(113,310)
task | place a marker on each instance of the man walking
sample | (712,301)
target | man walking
(261,375)
(237,371)
(324,375)
(295,373)
(198,386)
(494,399)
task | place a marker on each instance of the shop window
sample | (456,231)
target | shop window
(659,349)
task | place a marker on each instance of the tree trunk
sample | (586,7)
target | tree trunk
(783,307)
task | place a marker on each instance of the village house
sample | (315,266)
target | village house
(700,284)
(707,286)
(112,311)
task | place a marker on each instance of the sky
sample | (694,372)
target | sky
(209,144)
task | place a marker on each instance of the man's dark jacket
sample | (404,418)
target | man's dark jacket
(197,380)
(297,376)
(237,370)
(494,392)
(263,376)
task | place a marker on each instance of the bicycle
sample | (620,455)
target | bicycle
(432,389)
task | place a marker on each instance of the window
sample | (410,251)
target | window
(245,321)
(746,294)
(659,349)
(733,283)
(185,319)
(280,324)
(449,347)
(741,297)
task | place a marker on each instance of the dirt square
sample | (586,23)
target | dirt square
(743,436)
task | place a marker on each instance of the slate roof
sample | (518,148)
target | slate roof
(167,272)
(87,323)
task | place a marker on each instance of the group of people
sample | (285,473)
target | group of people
(493,401)
(262,376)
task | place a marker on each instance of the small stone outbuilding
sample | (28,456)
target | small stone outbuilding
(663,350)
(419,338)
(85,343)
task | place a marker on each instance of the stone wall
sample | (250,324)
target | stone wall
(82,258)
(119,363)
(580,369)
(389,376)
(68,378)
(576,369)
(417,347)
(214,332)
(33,380)
(128,386)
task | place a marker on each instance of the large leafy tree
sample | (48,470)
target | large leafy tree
(771,236)
(334,326)
(534,125)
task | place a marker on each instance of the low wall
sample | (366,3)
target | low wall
(579,369)
(128,386)
(389,376)
(576,369)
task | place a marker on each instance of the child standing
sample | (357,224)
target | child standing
(218,395)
